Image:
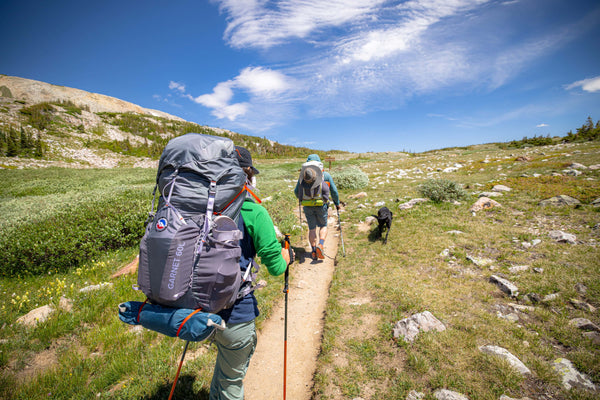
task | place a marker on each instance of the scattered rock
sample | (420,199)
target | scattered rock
(561,200)
(551,297)
(414,395)
(518,268)
(360,195)
(581,288)
(571,378)
(593,336)
(490,194)
(582,305)
(501,188)
(563,237)
(505,354)
(532,298)
(36,316)
(454,232)
(445,394)
(411,203)
(409,327)
(572,172)
(65,304)
(577,166)
(370,220)
(504,285)
(505,397)
(596,203)
(584,324)
(479,261)
(484,203)
(523,159)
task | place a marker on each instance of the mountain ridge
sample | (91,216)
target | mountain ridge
(34,91)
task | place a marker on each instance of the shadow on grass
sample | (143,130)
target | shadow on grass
(375,235)
(183,390)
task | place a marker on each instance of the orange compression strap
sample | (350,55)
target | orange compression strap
(186,320)
(253,195)
(140,310)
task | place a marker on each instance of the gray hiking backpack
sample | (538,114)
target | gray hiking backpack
(312,188)
(189,254)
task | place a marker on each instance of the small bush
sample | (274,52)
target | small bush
(350,178)
(69,238)
(439,190)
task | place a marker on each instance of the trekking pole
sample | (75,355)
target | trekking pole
(286,245)
(341,234)
(178,370)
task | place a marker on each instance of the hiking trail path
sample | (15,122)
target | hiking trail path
(307,298)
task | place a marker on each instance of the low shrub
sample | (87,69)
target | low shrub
(439,190)
(350,178)
(71,237)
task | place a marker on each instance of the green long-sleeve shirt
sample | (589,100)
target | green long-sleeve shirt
(259,225)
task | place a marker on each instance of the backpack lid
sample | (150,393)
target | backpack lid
(206,155)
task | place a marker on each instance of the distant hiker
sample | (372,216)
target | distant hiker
(313,190)
(236,344)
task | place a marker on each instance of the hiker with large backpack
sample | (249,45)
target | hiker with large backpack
(196,263)
(237,342)
(314,189)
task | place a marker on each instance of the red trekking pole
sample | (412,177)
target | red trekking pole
(286,289)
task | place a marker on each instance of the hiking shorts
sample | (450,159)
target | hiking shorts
(316,216)
(235,347)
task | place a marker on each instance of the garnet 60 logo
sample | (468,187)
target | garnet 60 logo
(161,224)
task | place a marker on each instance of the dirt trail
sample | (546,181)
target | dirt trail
(308,292)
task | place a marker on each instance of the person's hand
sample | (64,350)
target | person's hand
(337,207)
(285,253)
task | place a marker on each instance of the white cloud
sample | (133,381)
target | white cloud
(589,85)
(177,86)
(541,125)
(350,57)
(252,24)
(260,83)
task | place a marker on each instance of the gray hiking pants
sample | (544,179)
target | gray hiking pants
(235,347)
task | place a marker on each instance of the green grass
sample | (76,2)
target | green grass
(408,276)
(89,353)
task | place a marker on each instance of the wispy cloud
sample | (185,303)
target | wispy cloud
(254,24)
(589,85)
(541,125)
(363,55)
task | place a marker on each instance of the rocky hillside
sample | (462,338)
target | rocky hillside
(44,125)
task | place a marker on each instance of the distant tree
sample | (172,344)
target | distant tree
(39,149)
(12,144)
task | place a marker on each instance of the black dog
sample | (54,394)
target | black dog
(384,217)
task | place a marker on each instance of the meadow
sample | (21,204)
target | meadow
(92,219)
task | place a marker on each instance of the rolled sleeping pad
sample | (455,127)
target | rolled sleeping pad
(184,323)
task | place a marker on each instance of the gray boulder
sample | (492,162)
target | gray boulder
(410,327)
(563,237)
(505,285)
(506,355)
(560,200)
(445,394)
(570,377)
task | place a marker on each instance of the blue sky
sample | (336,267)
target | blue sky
(355,75)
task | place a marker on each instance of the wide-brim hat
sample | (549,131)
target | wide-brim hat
(245,159)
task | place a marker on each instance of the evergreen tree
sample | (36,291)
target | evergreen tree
(12,145)
(39,151)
